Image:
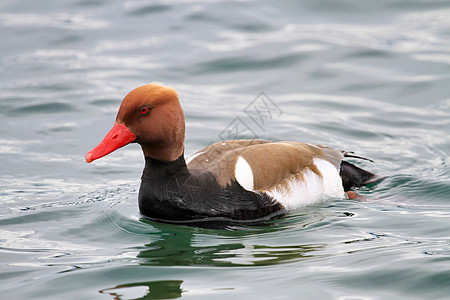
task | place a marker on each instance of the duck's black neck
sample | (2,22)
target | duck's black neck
(161,170)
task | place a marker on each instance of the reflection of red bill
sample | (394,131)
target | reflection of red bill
(116,138)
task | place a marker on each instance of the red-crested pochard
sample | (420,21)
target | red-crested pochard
(234,181)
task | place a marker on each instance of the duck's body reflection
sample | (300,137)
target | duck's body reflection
(175,245)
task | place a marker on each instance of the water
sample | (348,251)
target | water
(369,77)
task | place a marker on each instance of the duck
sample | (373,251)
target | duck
(228,182)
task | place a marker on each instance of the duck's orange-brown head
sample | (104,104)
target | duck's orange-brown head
(150,115)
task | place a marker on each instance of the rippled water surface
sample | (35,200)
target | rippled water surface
(369,77)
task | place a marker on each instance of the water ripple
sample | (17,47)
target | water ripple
(57,20)
(44,108)
(403,37)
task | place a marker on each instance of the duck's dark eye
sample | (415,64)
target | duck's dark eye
(144,110)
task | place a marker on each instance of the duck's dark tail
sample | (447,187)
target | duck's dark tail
(355,177)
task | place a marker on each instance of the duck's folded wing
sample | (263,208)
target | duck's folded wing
(260,165)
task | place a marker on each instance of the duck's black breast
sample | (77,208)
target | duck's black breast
(169,192)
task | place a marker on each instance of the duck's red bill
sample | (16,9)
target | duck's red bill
(116,138)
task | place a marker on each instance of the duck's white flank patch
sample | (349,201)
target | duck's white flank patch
(190,158)
(332,181)
(243,173)
(298,193)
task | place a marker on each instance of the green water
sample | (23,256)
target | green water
(368,77)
